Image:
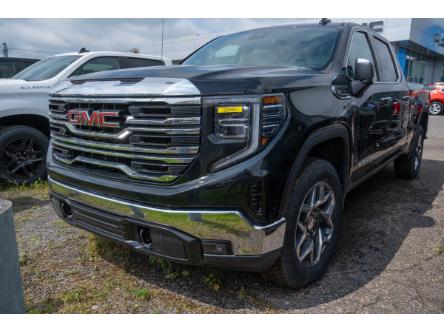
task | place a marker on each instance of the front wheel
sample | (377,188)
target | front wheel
(314,210)
(436,108)
(22,154)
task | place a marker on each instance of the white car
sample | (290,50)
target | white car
(24,124)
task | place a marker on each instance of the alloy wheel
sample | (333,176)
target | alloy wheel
(435,109)
(315,226)
(418,152)
(22,158)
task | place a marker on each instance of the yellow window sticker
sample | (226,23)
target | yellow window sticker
(230,109)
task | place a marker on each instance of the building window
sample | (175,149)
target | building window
(442,73)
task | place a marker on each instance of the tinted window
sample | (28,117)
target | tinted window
(22,64)
(139,62)
(310,47)
(97,65)
(6,69)
(359,48)
(46,68)
(387,69)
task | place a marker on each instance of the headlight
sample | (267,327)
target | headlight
(243,125)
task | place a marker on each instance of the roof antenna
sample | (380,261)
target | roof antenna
(324,21)
(83,50)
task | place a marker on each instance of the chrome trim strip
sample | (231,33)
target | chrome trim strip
(126,147)
(233,226)
(273,106)
(122,167)
(60,116)
(168,121)
(125,100)
(129,130)
(192,101)
(170,160)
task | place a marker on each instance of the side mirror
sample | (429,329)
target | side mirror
(363,76)
(363,70)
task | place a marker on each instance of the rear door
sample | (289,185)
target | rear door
(395,101)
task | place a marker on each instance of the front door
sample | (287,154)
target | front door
(380,110)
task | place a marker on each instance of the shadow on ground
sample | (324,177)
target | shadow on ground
(379,214)
(23,203)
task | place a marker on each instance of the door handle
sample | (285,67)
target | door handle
(386,100)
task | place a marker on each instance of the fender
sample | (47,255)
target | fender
(423,114)
(335,131)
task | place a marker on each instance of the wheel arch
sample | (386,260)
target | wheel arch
(331,143)
(38,122)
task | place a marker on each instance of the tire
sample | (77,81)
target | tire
(436,108)
(293,268)
(22,155)
(408,165)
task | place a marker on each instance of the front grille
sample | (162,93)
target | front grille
(152,140)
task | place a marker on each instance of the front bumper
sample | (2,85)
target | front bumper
(176,234)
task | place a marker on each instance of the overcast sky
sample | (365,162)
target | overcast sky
(181,36)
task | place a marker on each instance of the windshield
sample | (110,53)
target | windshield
(310,47)
(46,68)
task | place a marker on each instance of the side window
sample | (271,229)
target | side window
(21,65)
(139,62)
(387,69)
(6,69)
(359,48)
(97,65)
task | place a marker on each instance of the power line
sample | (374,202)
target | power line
(27,50)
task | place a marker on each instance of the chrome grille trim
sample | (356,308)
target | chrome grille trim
(122,167)
(168,121)
(128,148)
(129,130)
(157,138)
(128,100)
(171,160)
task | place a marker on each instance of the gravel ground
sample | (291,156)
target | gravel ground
(390,259)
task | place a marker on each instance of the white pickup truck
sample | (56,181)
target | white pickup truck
(24,116)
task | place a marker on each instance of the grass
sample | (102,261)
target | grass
(76,295)
(23,259)
(98,246)
(143,294)
(48,305)
(438,249)
(39,185)
(212,281)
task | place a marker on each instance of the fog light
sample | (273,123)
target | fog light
(217,247)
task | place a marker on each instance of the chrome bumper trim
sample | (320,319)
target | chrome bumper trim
(246,237)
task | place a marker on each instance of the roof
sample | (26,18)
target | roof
(113,53)
(18,58)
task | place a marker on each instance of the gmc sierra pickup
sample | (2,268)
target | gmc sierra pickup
(240,157)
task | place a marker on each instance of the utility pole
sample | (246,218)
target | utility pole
(5,50)
(163,28)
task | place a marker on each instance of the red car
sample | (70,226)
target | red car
(436,98)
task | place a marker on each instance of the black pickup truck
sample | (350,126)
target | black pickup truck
(241,156)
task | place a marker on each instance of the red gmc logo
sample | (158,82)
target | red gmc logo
(95,118)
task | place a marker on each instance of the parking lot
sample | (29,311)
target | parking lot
(390,258)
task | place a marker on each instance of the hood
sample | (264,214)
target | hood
(8,86)
(206,80)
